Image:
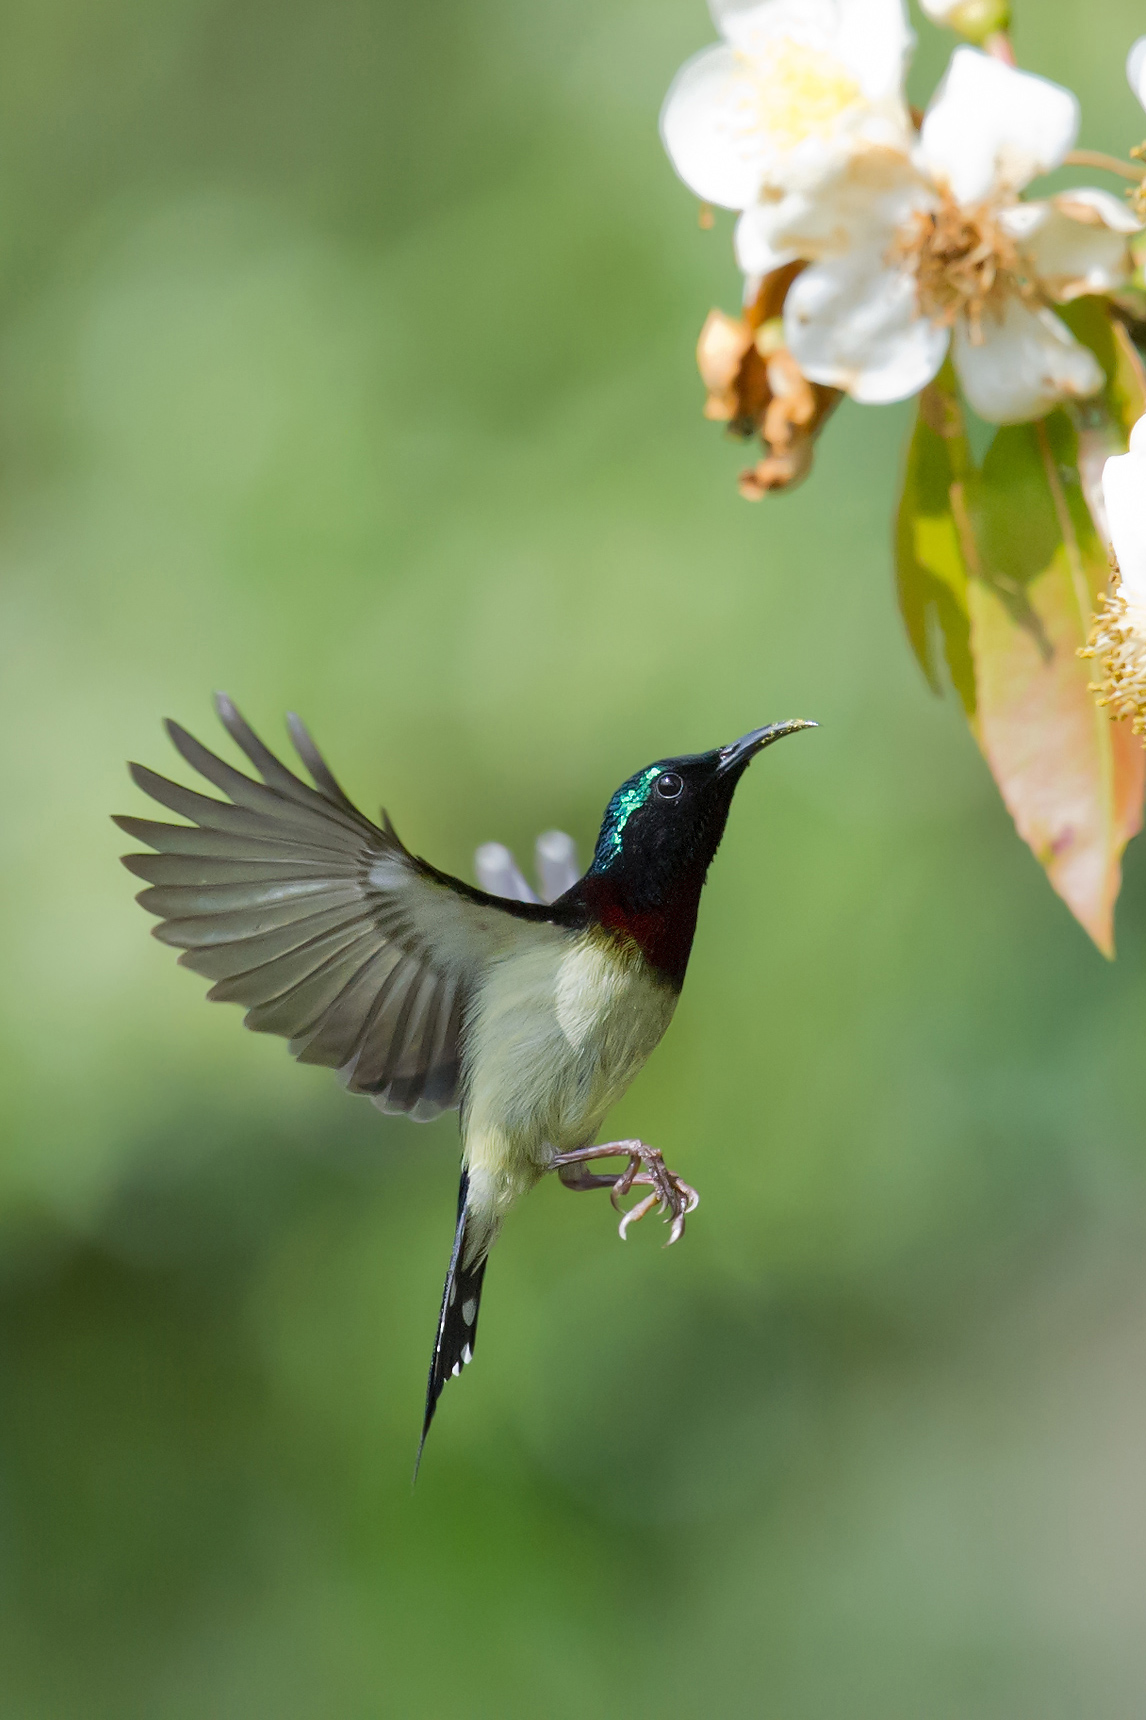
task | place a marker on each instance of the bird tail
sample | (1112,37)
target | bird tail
(457,1322)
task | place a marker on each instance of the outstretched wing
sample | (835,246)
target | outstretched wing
(328,930)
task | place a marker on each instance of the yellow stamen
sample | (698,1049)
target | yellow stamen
(964,262)
(800,92)
(1119,650)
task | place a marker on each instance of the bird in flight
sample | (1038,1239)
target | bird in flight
(425,993)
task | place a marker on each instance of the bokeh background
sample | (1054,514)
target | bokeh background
(346,364)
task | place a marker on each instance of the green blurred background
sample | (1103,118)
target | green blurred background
(346,364)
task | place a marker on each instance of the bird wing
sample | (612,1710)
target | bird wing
(322,923)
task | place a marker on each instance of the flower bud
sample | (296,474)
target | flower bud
(975,19)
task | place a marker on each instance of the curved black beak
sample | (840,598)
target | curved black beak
(741,752)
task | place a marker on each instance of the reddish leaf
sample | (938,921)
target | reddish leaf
(1129,782)
(1069,778)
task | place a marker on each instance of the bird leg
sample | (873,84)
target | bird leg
(646,1168)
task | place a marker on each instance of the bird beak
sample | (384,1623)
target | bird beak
(740,753)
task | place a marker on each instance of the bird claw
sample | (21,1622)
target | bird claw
(645,1169)
(674,1197)
(636,1213)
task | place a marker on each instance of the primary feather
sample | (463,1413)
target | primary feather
(322,923)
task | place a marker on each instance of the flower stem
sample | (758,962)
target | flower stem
(1000,48)
(1098,158)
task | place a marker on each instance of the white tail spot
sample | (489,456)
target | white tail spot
(469,1309)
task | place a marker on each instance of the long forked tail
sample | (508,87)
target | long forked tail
(457,1322)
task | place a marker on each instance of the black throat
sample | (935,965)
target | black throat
(661,926)
(652,859)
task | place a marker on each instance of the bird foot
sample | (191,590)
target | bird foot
(646,1168)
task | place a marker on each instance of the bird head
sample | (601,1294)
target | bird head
(663,826)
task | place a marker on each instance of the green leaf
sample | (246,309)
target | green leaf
(1124,396)
(1071,779)
(1103,423)
(931,540)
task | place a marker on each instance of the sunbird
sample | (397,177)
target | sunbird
(425,993)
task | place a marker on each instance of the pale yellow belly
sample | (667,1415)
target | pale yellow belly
(559,1032)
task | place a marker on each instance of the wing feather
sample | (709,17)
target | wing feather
(365,1069)
(187,839)
(296,920)
(275,773)
(331,1037)
(286,825)
(249,899)
(320,922)
(252,981)
(304,808)
(317,766)
(166,869)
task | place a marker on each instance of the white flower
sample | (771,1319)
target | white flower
(1118,637)
(795,87)
(1124,491)
(915,252)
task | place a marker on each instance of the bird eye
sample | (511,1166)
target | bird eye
(669,785)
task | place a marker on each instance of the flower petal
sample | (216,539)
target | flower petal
(711,127)
(1075,242)
(992,128)
(1124,490)
(1087,204)
(787,98)
(1023,364)
(755,252)
(748,24)
(1136,69)
(875,43)
(862,202)
(870,38)
(852,322)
